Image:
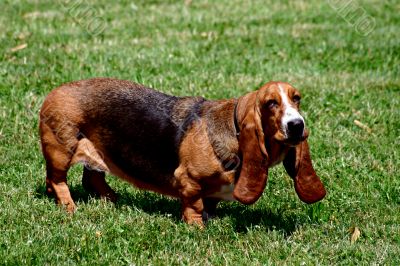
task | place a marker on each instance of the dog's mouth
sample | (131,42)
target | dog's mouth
(295,140)
(292,140)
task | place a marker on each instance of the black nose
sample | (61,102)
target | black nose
(295,128)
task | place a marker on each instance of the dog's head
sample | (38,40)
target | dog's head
(271,114)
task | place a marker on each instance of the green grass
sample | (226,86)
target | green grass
(217,49)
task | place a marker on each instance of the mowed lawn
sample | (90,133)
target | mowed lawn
(350,81)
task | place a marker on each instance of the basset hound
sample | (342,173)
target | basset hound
(197,150)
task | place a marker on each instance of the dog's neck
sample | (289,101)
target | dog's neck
(221,131)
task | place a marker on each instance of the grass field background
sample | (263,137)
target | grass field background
(216,49)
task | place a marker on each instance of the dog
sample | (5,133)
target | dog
(200,151)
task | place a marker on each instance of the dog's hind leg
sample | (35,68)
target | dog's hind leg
(58,156)
(94,181)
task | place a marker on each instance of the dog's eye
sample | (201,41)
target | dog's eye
(296,99)
(271,104)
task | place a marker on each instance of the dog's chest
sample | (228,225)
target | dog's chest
(224,193)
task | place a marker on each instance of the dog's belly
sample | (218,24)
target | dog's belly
(145,174)
(147,158)
(149,170)
(148,180)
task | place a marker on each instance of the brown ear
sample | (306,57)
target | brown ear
(298,165)
(253,174)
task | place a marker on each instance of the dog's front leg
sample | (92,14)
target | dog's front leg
(192,211)
(190,195)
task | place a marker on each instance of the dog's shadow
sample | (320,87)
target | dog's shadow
(242,217)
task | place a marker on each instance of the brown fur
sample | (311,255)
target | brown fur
(183,147)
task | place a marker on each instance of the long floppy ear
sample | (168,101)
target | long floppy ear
(298,165)
(253,174)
